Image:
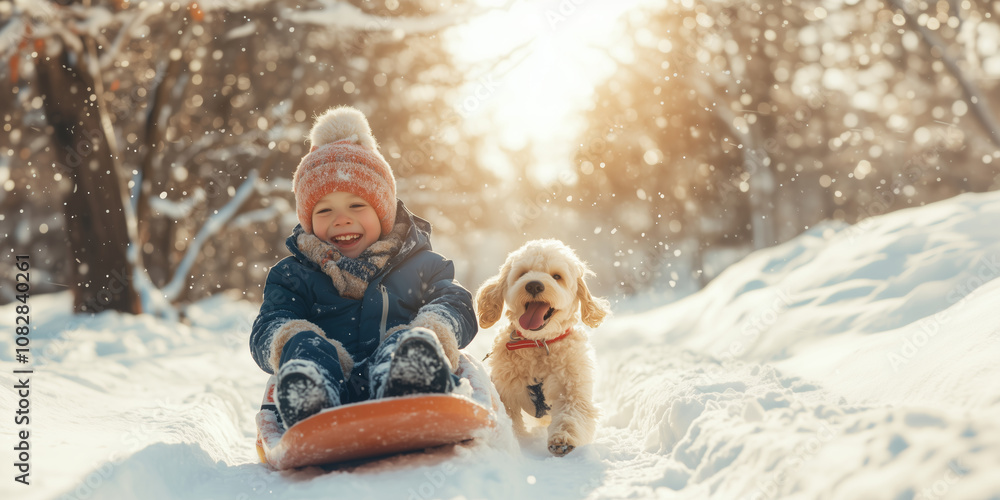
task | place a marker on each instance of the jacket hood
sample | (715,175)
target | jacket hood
(418,237)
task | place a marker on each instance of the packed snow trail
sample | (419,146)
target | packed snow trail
(851,362)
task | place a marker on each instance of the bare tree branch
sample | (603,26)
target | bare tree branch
(977,100)
(211,227)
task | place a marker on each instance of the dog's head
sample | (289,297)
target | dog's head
(543,285)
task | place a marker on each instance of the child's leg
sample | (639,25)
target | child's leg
(379,362)
(410,362)
(309,377)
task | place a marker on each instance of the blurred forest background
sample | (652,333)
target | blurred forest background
(148,147)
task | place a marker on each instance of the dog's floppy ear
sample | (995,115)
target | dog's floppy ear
(593,310)
(489,298)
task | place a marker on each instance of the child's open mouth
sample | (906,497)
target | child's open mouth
(346,241)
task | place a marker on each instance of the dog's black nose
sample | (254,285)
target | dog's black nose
(534,287)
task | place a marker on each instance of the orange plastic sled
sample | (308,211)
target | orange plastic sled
(374,428)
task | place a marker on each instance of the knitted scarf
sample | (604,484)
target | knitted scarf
(352,276)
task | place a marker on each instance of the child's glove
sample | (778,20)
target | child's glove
(441,325)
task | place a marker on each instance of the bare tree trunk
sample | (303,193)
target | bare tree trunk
(157,261)
(95,218)
(756,162)
(762,183)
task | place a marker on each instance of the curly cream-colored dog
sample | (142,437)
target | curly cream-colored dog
(540,362)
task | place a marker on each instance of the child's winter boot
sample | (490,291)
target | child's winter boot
(418,366)
(303,391)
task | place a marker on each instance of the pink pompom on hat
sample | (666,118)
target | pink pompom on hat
(344,157)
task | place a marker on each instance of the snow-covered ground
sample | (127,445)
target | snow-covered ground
(851,362)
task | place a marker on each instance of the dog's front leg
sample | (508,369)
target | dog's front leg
(574,416)
(512,401)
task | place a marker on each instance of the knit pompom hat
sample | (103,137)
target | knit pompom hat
(344,157)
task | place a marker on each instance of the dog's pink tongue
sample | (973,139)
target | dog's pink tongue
(534,315)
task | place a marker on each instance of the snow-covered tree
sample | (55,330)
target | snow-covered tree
(199,113)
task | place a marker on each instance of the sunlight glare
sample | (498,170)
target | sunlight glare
(541,61)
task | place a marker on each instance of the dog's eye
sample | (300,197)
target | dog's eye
(557,277)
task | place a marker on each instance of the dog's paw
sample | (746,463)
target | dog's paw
(560,447)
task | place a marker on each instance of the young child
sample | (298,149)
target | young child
(363,308)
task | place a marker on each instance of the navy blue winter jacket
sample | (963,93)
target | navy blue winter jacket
(297,289)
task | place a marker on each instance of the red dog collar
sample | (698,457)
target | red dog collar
(526,343)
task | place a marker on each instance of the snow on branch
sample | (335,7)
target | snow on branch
(178,210)
(20,18)
(281,184)
(212,226)
(248,29)
(138,19)
(279,206)
(341,14)
(10,35)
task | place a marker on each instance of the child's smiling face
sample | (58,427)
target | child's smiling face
(347,221)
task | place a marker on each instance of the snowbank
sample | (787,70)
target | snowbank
(851,362)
